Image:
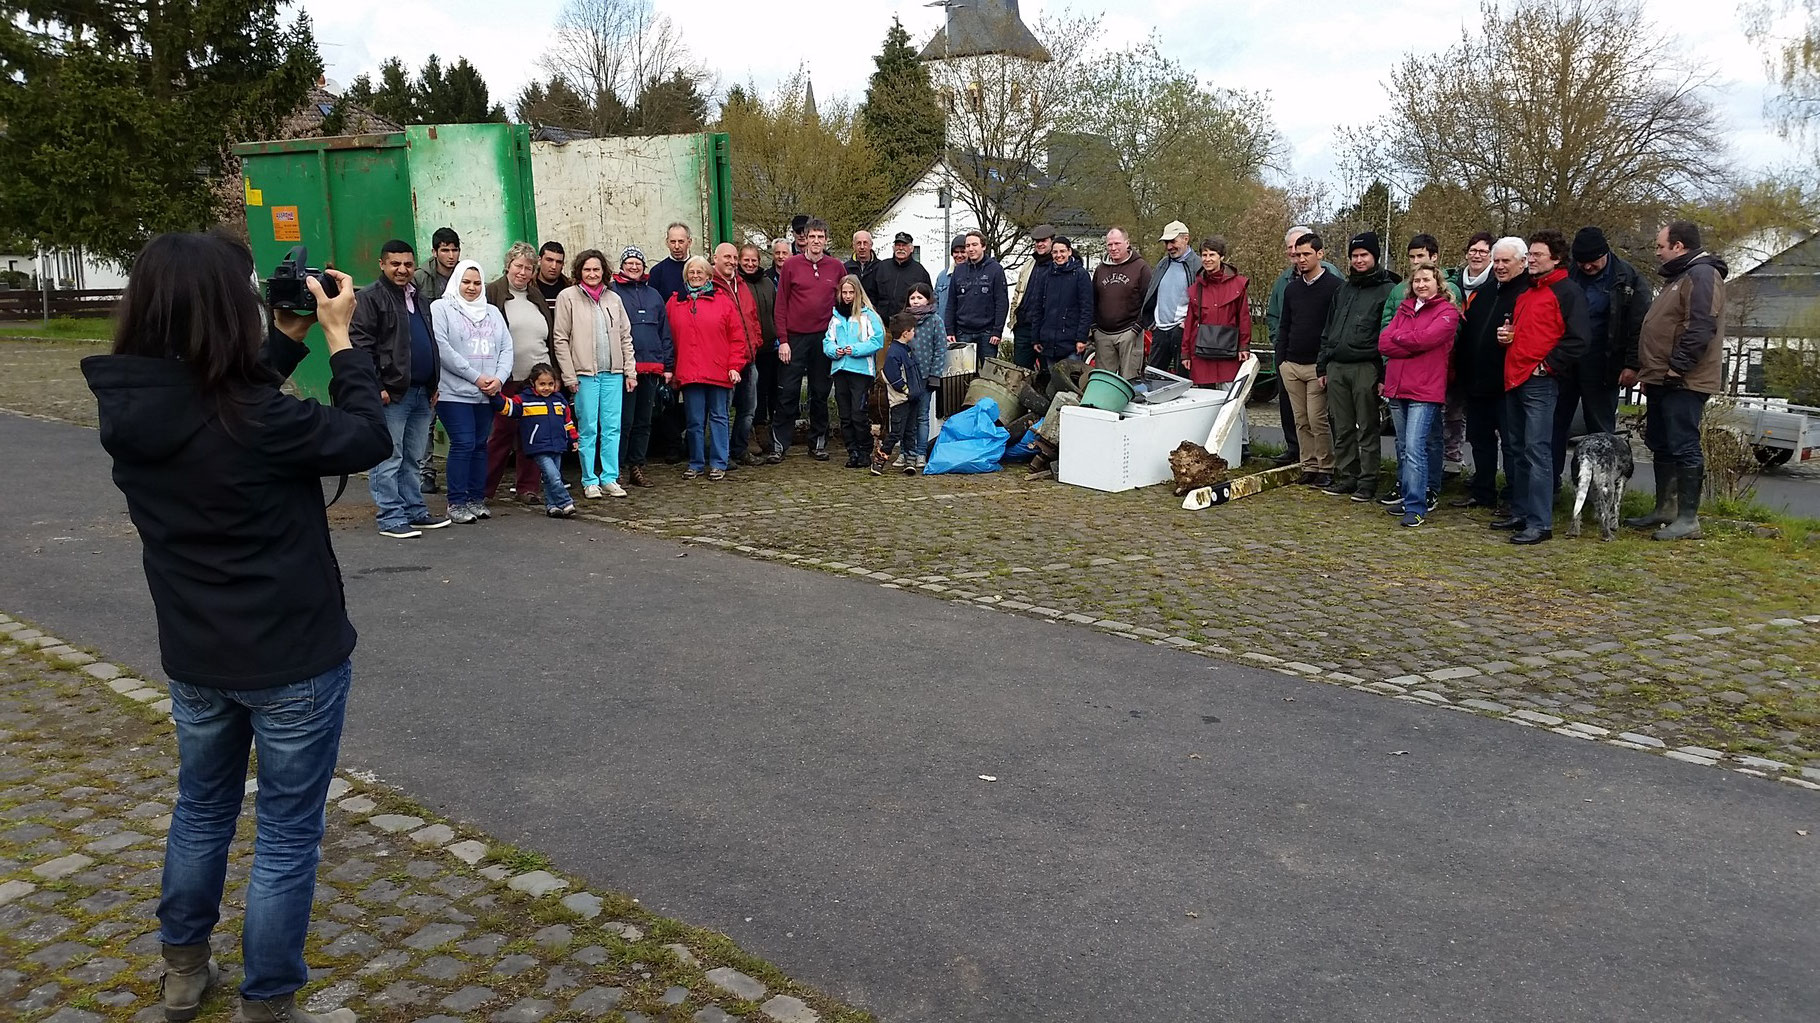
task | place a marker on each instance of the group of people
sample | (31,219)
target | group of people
(1501,353)
(578,351)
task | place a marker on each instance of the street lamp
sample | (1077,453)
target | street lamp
(944,196)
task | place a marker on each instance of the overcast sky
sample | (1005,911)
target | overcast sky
(1323,64)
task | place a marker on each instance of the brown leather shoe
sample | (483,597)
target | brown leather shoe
(639,479)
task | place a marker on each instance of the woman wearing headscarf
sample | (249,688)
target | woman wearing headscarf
(1216,337)
(710,340)
(474,345)
(595,357)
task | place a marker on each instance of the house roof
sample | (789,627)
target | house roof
(1779,297)
(978,28)
(306,121)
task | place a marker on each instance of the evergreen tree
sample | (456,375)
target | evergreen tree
(457,95)
(119,114)
(902,114)
(670,106)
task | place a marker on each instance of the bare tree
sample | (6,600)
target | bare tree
(1565,112)
(610,51)
(1002,115)
(1793,61)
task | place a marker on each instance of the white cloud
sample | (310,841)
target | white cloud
(1323,64)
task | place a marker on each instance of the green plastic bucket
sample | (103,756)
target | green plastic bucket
(1107,391)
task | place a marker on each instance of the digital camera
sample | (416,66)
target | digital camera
(286,289)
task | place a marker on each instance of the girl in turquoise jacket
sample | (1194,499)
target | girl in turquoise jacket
(854,337)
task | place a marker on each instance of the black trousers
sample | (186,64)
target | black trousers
(640,407)
(1484,434)
(1592,387)
(767,382)
(1671,425)
(1166,349)
(851,391)
(806,363)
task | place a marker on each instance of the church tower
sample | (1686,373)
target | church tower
(983,28)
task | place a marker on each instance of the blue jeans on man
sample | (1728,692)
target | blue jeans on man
(1418,450)
(397,482)
(297,730)
(981,340)
(1529,424)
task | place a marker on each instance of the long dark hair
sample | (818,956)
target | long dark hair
(191,298)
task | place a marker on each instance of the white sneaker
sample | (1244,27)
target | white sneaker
(614,489)
(460,514)
(592,492)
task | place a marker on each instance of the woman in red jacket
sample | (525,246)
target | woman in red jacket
(1216,337)
(1417,344)
(710,355)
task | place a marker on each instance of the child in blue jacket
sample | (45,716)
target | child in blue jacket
(904,393)
(546,429)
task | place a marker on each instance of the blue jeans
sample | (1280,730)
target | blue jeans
(555,491)
(1529,426)
(745,403)
(598,401)
(469,426)
(1671,425)
(981,339)
(925,414)
(297,729)
(1418,449)
(397,482)
(706,407)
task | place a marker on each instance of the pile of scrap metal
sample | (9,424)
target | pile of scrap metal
(1040,397)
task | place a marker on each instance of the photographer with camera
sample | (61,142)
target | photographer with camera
(222,476)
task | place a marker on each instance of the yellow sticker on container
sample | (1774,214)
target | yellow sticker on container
(285,225)
(254,196)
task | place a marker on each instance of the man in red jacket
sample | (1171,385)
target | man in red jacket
(745,393)
(806,287)
(1546,338)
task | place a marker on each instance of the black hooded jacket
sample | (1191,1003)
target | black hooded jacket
(1478,358)
(236,539)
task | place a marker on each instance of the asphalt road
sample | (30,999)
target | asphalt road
(795,758)
(1777,490)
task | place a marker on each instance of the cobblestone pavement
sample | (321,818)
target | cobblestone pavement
(416,919)
(1704,648)
(1710,646)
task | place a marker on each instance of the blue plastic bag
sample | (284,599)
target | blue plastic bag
(971,441)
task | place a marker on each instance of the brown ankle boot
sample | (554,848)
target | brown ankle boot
(188,973)
(639,479)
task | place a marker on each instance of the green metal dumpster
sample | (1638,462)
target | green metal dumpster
(346,196)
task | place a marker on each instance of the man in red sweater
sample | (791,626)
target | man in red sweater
(1547,336)
(806,290)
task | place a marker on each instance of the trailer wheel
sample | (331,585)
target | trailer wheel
(1769,458)
(1262,392)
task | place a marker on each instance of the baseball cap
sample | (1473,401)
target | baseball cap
(1174,230)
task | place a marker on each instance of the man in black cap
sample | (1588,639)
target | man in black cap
(799,229)
(1023,342)
(896,276)
(1350,369)
(1617,299)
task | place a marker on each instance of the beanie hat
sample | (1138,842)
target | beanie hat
(632,252)
(1367,241)
(1589,245)
(960,242)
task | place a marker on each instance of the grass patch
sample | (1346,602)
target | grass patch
(62,328)
(518,860)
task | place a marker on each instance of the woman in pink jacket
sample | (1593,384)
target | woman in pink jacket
(1417,345)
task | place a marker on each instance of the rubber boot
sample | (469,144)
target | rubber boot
(1665,499)
(1687,522)
(188,972)
(285,1010)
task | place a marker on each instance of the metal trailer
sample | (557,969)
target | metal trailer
(1777,431)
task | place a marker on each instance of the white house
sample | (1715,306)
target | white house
(68,269)
(918,211)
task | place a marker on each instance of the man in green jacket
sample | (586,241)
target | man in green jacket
(1273,316)
(1351,369)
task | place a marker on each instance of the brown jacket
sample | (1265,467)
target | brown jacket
(1685,327)
(574,337)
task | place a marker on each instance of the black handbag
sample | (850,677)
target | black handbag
(1216,341)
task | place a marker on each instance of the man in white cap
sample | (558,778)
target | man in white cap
(1166,304)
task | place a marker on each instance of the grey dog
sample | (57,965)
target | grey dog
(1602,466)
